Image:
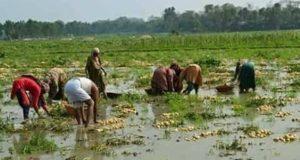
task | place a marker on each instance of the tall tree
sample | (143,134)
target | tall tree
(9,30)
(189,21)
(170,20)
(229,14)
(1,29)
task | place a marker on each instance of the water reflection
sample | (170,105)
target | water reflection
(84,140)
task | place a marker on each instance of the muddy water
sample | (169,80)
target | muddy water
(159,145)
(166,143)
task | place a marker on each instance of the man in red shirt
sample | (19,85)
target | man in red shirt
(30,92)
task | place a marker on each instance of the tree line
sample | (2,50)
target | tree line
(214,18)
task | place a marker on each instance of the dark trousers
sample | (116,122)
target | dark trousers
(24,102)
(190,87)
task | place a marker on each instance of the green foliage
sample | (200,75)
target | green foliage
(267,55)
(256,101)
(57,125)
(7,158)
(143,77)
(126,140)
(235,145)
(58,110)
(176,102)
(216,18)
(262,81)
(38,143)
(2,55)
(248,129)
(213,47)
(194,117)
(190,108)
(296,84)
(143,82)
(6,126)
(132,97)
(59,61)
(239,109)
(208,61)
(103,149)
(294,68)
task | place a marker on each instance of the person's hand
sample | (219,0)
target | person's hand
(104,73)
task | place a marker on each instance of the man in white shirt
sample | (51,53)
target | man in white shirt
(81,91)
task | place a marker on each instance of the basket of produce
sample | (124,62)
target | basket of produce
(113,95)
(225,88)
(69,108)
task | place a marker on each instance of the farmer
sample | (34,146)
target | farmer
(192,75)
(56,78)
(177,84)
(81,91)
(165,79)
(29,92)
(246,76)
(94,70)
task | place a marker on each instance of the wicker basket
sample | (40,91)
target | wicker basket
(224,88)
(69,109)
(113,95)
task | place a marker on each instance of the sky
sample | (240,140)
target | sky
(93,10)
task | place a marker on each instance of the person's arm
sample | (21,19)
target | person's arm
(44,105)
(86,69)
(253,76)
(53,88)
(241,72)
(13,93)
(103,71)
(35,100)
(178,86)
(181,77)
(13,90)
(237,71)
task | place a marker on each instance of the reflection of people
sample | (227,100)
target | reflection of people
(21,139)
(246,76)
(85,140)
(192,75)
(81,136)
(94,70)
(164,80)
(80,91)
(29,92)
(56,78)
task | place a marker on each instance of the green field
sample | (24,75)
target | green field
(153,49)
(220,120)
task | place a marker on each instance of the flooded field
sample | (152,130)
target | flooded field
(264,124)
